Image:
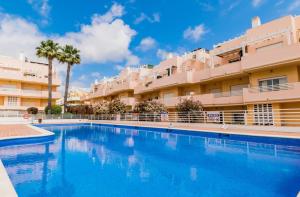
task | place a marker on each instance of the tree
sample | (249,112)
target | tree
(69,55)
(190,110)
(32,110)
(101,108)
(149,107)
(55,109)
(49,50)
(149,110)
(80,109)
(116,107)
(189,105)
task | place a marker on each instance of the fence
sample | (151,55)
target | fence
(282,117)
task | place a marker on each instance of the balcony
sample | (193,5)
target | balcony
(119,87)
(10,91)
(281,92)
(18,75)
(27,93)
(209,100)
(220,71)
(39,94)
(19,107)
(167,81)
(272,57)
(92,95)
(130,101)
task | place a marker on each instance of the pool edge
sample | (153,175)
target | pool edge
(6,187)
(43,133)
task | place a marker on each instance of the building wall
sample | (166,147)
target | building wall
(24,84)
(291,72)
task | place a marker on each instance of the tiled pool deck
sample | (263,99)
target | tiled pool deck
(286,133)
(15,131)
(26,130)
(21,131)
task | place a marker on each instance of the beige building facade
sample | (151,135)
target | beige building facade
(257,72)
(24,84)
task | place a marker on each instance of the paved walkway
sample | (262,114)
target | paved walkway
(20,130)
(294,133)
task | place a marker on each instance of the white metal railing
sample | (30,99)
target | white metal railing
(270,88)
(229,93)
(281,117)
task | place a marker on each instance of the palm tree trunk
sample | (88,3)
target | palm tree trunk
(67,87)
(50,85)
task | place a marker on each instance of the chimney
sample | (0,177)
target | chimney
(256,22)
(22,57)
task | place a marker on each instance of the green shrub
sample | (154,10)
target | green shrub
(32,110)
(190,110)
(116,107)
(80,109)
(149,107)
(189,105)
(101,108)
(55,109)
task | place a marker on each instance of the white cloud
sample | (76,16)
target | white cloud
(18,35)
(82,77)
(195,33)
(42,7)
(280,2)
(96,74)
(257,3)
(146,44)
(163,54)
(206,6)
(115,11)
(105,39)
(155,18)
(294,5)
(118,67)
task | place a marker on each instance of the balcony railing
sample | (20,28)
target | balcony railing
(220,71)
(130,101)
(222,98)
(286,91)
(166,81)
(118,87)
(19,76)
(27,93)
(272,57)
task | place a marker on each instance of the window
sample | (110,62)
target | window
(168,71)
(263,114)
(12,101)
(237,90)
(273,84)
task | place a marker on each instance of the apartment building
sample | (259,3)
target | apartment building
(24,84)
(74,98)
(119,87)
(257,72)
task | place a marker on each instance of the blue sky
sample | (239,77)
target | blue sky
(113,34)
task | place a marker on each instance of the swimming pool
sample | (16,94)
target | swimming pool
(104,160)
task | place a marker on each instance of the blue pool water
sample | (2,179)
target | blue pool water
(85,160)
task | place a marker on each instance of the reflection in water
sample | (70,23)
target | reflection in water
(92,160)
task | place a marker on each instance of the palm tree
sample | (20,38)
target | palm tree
(69,55)
(48,49)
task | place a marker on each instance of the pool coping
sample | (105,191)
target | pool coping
(7,188)
(43,133)
(216,130)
